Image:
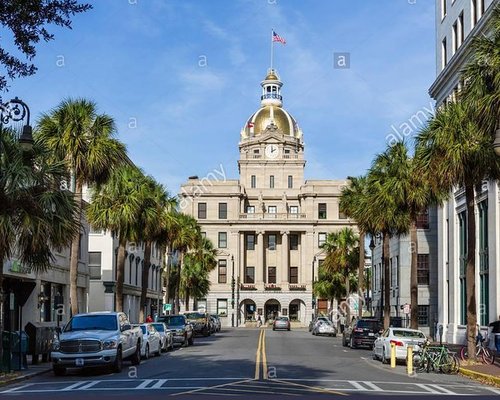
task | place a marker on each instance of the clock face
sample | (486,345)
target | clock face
(272,151)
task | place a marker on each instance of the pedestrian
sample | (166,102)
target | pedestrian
(149,319)
(496,331)
(342,323)
(259,321)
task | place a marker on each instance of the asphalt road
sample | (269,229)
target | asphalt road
(245,362)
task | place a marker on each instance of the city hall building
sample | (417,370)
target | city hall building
(269,224)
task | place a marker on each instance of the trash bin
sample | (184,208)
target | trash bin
(41,336)
(19,350)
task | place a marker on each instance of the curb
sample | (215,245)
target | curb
(21,378)
(491,379)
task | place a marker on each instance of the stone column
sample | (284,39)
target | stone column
(259,268)
(284,258)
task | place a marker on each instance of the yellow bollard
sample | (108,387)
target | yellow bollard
(393,355)
(409,360)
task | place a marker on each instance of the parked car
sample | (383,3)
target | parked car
(200,322)
(217,322)
(315,320)
(182,330)
(323,327)
(152,340)
(402,338)
(96,339)
(361,332)
(166,335)
(281,323)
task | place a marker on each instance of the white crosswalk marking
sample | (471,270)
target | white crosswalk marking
(442,389)
(372,386)
(158,384)
(356,385)
(74,386)
(89,385)
(428,388)
(144,384)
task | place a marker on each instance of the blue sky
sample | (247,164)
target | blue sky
(140,61)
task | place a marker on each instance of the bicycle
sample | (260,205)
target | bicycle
(482,350)
(436,358)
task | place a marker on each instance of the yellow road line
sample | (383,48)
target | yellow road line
(264,357)
(257,356)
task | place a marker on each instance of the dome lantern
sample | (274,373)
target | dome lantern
(271,89)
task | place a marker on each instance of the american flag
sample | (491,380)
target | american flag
(278,38)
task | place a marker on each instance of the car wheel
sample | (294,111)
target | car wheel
(288,329)
(384,360)
(136,358)
(191,340)
(59,371)
(146,352)
(158,353)
(352,345)
(118,365)
(374,356)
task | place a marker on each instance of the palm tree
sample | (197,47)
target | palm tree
(115,206)
(36,216)
(187,237)
(455,149)
(386,217)
(352,202)
(342,255)
(75,133)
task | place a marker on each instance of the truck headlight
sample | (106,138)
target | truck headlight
(109,344)
(56,345)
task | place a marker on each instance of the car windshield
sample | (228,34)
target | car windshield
(194,315)
(143,329)
(367,324)
(92,323)
(159,327)
(174,320)
(409,334)
(282,319)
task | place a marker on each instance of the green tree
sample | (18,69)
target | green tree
(115,206)
(75,133)
(36,216)
(456,150)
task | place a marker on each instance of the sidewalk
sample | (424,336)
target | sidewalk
(30,372)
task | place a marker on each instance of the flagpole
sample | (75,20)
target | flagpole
(272,48)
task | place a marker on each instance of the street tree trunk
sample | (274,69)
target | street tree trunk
(347,290)
(120,274)
(178,284)
(145,280)
(387,282)
(470,272)
(167,286)
(414,276)
(74,252)
(361,272)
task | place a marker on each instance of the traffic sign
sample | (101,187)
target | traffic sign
(167,307)
(406,308)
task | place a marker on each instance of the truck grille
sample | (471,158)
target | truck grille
(80,346)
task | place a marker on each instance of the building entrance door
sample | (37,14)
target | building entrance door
(272,309)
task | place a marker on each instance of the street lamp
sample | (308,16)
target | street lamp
(17,110)
(233,284)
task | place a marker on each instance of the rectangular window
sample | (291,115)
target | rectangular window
(322,211)
(455,37)
(423,315)
(202,210)
(294,274)
(423,220)
(253,181)
(95,265)
(222,271)
(222,307)
(462,224)
(444,54)
(222,240)
(271,181)
(271,241)
(271,274)
(423,269)
(250,209)
(484,268)
(321,238)
(290,181)
(249,274)
(294,209)
(80,247)
(342,214)
(222,210)
(271,209)
(474,13)
(460,29)
(443,9)
(294,242)
(250,241)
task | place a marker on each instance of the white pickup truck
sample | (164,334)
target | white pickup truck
(96,339)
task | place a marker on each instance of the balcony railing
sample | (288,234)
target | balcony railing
(271,96)
(271,216)
(297,287)
(271,286)
(247,286)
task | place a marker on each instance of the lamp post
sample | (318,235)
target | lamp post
(16,110)
(312,288)
(233,284)
(372,248)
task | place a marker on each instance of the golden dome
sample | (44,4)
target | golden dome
(268,115)
(271,76)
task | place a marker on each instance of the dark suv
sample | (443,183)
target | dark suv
(361,332)
(180,327)
(200,322)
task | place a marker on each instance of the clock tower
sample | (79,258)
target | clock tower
(271,146)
